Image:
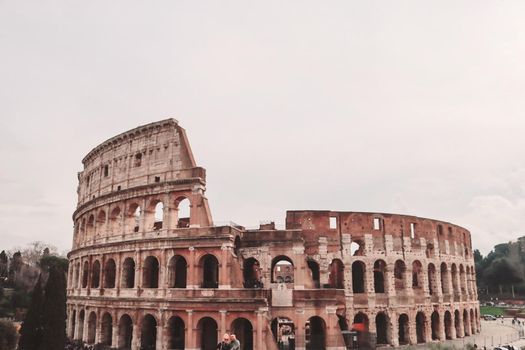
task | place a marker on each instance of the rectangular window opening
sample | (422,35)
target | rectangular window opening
(377,223)
(412,230)
(157,178)
(333,222)
(106,170)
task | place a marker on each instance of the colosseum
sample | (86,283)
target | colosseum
(149,269)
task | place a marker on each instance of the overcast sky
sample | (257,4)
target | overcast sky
(413,107)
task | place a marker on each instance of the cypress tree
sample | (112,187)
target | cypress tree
(31,331)
(54,312)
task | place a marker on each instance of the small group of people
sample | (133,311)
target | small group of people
(229,342)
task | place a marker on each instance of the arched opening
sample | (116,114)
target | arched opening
(313,266)
(243,330)
(358,277)
(158,216)
(315,333)
(95,275)
(283,330)
(399,275)
(106,330)
(73,324)
(472,322)
(85,275)
(430,251)
(251,273)
(115,221)
(210,271)
(76,279)
(466,323)
(454,274)
(282,269)
(379,276)
(125,332)
(81,319)
(448,325)
(92,327)
(207,333)
(237,245)
(457,324)
(183,210)
(101,222)
(176,333)
(90,227)
(110,271)
(382,329)
(148,333)
(337,274)
(463,279)
(177,272)
(445,279)
(403,334)
(128,273)
(432,283)
(420,327)
(133,217)
(361,322)
(150,277)
(435,325)
(417,275)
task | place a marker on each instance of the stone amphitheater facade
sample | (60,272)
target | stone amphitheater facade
(150,270)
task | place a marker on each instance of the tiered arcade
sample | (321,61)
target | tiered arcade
(150,270)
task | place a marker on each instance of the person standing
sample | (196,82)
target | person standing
(236,344)
(225,344)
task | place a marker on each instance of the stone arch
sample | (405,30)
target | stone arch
(92,327)
(115,220)
(457,324)
(283,330)
(315,272)
(101,221)
(73,324)
(417,275)
(448,325)
(133,217)
(207,333)
(176,333)
(106,335)
(316,337)
(358,277)
(110,272)
(128,273)
(177,272)
(380,276)
(357,248)
(400,270)
(361,322)
(158,215)
(81,319)
(466,322)
(95,274)
(404,329)
(382,328)
(282,269)
(432,281)
(337,274)
(237,245)
(472,322)
(445,279)
(463,280)
(182,212)
(209,266)
(435,324)
(243,330)
(85,275)
(421,321)
(125,332)
(251,273)
(148,332)
(150,275)
(90,227)
(454,275)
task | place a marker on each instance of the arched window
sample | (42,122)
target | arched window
(210,271)
(128,273)
(115,221)
(313,266)
(282,266)
(457,324)
(463,279)
(448,325)
(251,273)
(417,275)
(125,332)
(420,327)
(81,319)
(110,271)
(337,274)
(315,330)
(382,328)
(361,322)
(207,333)
(445,278)
(435,325)
(159,216)
(243,330)
(283,330)
(101,222)
(183,210)
(177,272)
(148,333)
(466,323)
(454,274)
(95,275)
(399,275)
(73,324)
(379,276)
(358,277)
(90,228)
(92,327)
(85,275)
(133,217)
(150,277)
(107,329)
(176,333)
(404,329)
(432,282)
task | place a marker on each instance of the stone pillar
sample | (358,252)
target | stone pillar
(393,338)
(118,272)
(98,328)
(300,330)
(135,342)
(142,218)
(78,327)
(193,282)
(102,273)
(259,330)
(461,326)
(138,269)
(412,328)
(222,327)
(190,335)
(224,278)
(299,267)
(390,281)
(85,326)
(442,335)
(114,333)
(166,214)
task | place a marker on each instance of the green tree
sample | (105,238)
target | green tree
(54,313)
(49,261)
(8,335)
(31,331)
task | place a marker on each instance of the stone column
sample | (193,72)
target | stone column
(114,333)
(224,278)
(259,330)
(142,218)
(222,326)
(428,327)
(299,329)
(138,269)
(299,266)
(190,334)
(118,272)
(393,338)
(98,328)
(166,215)
(135,342)
(85,326)
(412,328)
(461,326)
(442,334)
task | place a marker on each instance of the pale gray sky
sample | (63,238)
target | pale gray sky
(411,107)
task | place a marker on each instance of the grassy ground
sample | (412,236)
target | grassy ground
(491,310)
